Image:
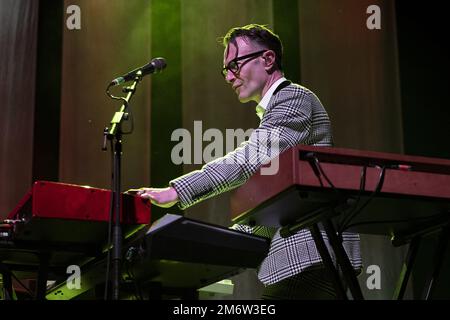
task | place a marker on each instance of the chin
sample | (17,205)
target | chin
(243,99)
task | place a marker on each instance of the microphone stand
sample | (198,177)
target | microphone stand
(114,134)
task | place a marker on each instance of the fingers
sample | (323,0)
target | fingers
(146,195)
(163,197)
(132,191)
(138,192)
(154,198)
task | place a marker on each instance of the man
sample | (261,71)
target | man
(293,268)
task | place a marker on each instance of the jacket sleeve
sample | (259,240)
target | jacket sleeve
(285,124)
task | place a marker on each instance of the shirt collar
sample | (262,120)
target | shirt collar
(266,99)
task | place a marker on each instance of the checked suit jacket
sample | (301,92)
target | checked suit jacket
(293,116)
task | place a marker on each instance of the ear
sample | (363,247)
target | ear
(269,59)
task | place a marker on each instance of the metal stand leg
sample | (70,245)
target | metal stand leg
(406,269)
(7,282)
(343,261)
(437,262)
(328,262)
(41,287)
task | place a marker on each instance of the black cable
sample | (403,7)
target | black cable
(362,188)
(370,198)
(316,160)
(318,170)
(312,162)
(109,94)
(109,244)
(127,108)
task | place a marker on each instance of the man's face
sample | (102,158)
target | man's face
(248,82)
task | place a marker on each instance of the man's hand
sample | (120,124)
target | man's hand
(162,197)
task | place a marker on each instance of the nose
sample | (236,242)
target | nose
(230,77)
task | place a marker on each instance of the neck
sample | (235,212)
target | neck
(270,81)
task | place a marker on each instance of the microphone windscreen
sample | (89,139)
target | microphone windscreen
(159,64)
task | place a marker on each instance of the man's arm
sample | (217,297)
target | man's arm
(289,121)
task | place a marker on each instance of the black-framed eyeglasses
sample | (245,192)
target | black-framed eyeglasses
(233,65)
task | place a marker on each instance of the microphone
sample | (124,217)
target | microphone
(154,66)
